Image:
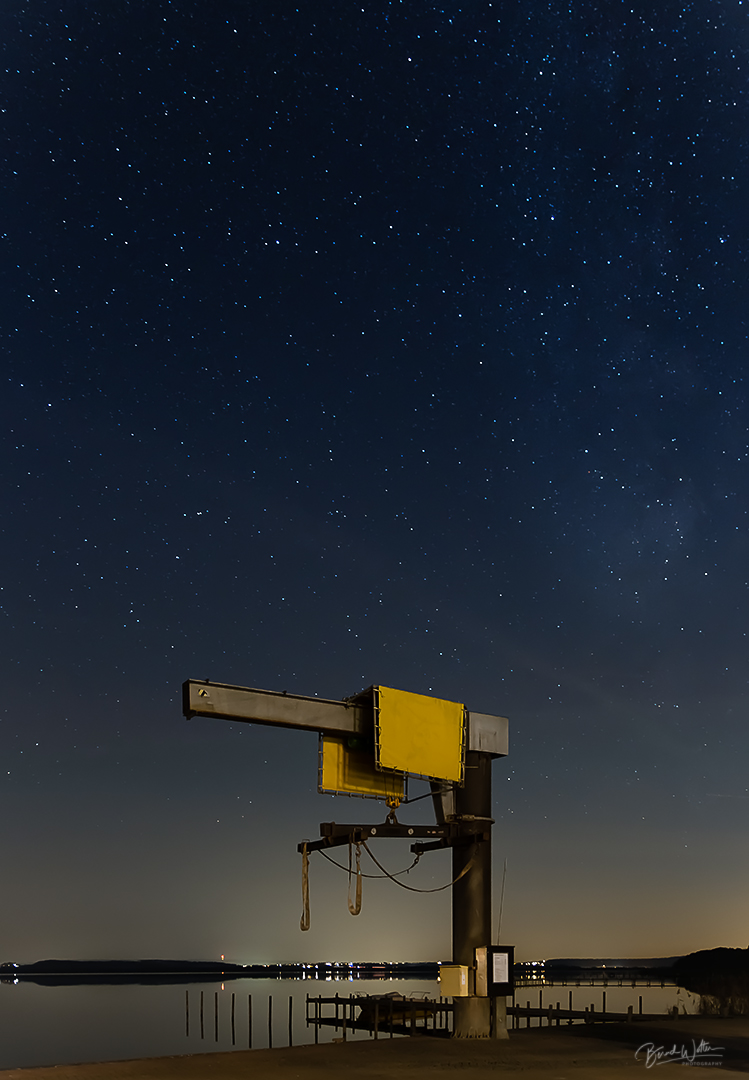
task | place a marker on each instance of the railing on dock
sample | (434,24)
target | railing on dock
(525,982)
(379,1015)
(555,1014)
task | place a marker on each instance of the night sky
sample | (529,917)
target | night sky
(357,343)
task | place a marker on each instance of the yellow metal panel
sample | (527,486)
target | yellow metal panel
(351,770)
(419,734)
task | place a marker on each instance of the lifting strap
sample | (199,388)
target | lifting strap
(304,921)
(355,908)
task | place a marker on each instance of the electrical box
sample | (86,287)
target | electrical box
(454,980)
(494,964)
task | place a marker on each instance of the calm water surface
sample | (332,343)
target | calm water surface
(55,1025)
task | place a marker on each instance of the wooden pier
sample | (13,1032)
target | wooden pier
(380,1015)
(386,1015)
(554,1015)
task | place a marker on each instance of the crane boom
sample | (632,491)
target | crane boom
(487,734)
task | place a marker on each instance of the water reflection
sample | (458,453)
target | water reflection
(44,1024)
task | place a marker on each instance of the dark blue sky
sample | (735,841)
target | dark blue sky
(386,343)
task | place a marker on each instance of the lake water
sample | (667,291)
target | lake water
(55,1025)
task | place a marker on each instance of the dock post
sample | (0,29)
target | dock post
(291,1036)
(187,1012)
(202,1032)
(233,1030)
(270,1021)
(249,1021)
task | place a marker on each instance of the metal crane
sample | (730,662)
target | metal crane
(371,742)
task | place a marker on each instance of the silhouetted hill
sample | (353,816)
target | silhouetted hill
(122,967)
(720,974)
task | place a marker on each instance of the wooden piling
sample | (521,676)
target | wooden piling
(202,1031)
(249,1021)
(215,1016)
(270,1021)
(233,1029)
(291,1033)
(187,1013)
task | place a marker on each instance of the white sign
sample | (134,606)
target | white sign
(501,972)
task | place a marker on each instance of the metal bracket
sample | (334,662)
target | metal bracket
(448,834)
(451,842)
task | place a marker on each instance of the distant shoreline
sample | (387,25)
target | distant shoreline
(182,970)
(58,971)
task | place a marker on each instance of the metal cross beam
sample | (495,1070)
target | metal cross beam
(272,707)
(486,734)
(448,834)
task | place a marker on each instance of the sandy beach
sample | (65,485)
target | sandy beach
(596,1052)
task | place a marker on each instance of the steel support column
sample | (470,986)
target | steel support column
(472,895)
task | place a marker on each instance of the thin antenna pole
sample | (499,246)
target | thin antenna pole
(501,904)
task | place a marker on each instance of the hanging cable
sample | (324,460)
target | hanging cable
(501,904)
(373,877)
(355,908)
(304,921)
(411,888)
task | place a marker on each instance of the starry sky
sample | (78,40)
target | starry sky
(366,342)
